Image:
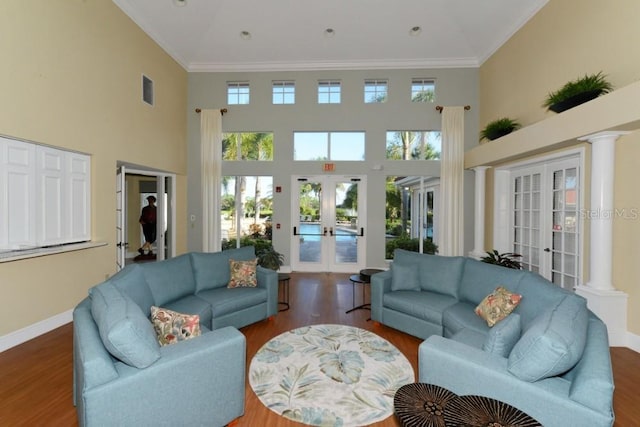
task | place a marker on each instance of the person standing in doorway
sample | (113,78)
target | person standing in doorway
(148,221)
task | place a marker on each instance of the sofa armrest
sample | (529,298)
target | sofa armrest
(380,284)
(470,371)
(195,382)
(268,279)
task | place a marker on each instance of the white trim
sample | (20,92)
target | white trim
(25,334)
(633,342)
(37,252)
(381,64)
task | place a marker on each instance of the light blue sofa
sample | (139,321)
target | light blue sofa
(122,377)
(550,358)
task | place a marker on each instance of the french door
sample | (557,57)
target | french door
(546,224)
(328,223)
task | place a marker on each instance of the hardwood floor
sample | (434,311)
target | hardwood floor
(36,377)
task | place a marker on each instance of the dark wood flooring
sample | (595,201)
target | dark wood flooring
(36,377)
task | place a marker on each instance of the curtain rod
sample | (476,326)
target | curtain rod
(222,111)
(440,108)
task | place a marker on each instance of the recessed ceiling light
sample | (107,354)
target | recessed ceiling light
(180,3)
(245,35)
(329,32)
(414,31)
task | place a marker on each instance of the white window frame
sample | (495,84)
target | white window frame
(235,93)
(376,91)
(282,90)
(333,91)
(423,83)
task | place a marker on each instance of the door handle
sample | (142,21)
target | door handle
(325,231)
(330,231)
(547,250)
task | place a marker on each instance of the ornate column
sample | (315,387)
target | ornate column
(603,298)
(478,212)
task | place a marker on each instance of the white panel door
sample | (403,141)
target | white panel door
(51,204)
(18,195)
(79,196)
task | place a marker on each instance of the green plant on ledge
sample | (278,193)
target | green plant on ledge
(498,128)
(506,259)
(577,92)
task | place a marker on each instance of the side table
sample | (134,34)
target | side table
(283,279)
(363,278)
(428,405)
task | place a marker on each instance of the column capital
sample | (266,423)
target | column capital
(480,168)
(607,134)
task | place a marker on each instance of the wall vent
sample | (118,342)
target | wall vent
(147,90)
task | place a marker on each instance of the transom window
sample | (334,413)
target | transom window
(423,90)
(329,92)
(413,145)
(328,146)
(375,91)
(237,93)
(284,92)
(247,146)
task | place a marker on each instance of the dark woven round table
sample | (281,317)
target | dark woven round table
(428,405)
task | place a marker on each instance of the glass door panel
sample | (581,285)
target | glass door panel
(328,234)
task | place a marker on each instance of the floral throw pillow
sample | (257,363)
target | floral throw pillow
(243,274)
(172,326)
(497,305)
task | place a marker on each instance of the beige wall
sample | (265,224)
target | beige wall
(71,78)
(565,40)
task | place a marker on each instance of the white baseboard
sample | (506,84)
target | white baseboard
(32,331)
(633,342)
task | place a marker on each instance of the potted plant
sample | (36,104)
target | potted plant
(507,259)
(577,92)
(269,258)
(498,128)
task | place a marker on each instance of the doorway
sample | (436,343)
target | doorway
(133,186)
(328,223)
(545,226)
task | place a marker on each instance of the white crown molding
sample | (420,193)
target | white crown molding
(334,65)
(32,331)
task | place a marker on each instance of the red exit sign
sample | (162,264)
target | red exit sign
(329,167)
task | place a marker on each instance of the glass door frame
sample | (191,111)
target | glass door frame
(504,208)
(327,235)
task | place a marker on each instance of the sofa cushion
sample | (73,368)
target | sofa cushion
(124,329)
(242,274)
(553,343)
(404,277)
(461,316)
(470,337)
(537,293)
(193,305)
(497,305)
(424,305)
(225,300)
(479,279)
(210,269)
(130,281)
(170,279)
(503,336)
(172,327)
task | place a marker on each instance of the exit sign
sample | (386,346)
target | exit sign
(329,167)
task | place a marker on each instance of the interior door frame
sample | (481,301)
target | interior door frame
(328,208)
(503,205)
(122,211)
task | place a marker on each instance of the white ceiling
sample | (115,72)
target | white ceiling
(204,35)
